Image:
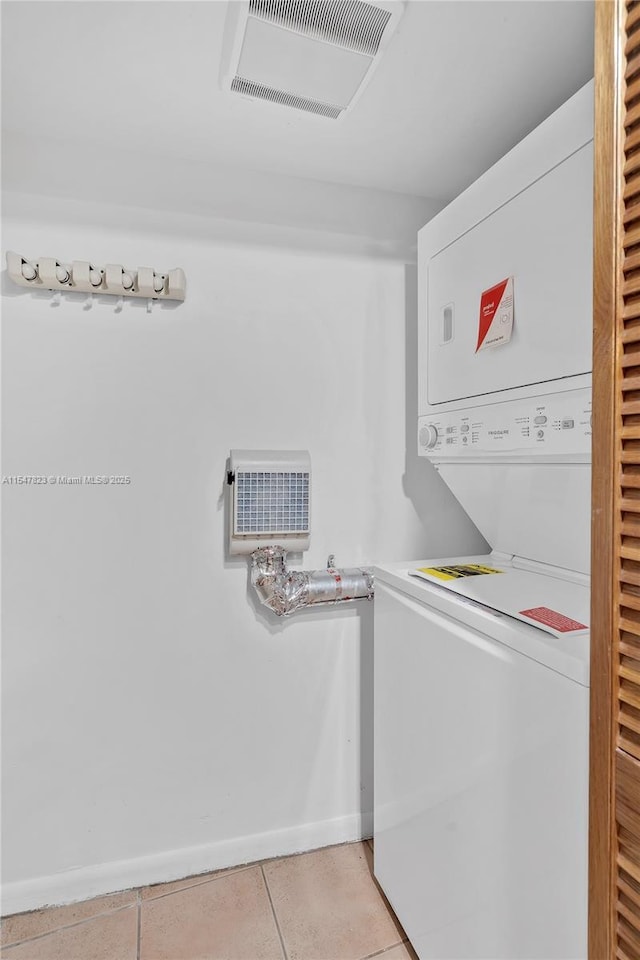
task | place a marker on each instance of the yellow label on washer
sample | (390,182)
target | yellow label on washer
(458,570)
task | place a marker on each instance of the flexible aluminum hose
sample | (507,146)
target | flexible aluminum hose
(286,591)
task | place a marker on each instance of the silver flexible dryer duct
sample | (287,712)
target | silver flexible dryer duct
(286,591)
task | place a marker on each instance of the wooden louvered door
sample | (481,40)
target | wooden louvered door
(614,908)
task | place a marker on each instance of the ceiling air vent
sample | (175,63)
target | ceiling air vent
(313,55)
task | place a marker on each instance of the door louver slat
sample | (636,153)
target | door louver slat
(630,625)
(629,479)
(629,914)
(629,868)
(630,383)
(631,529)
(633,213)
(631,940)
(633,19)
(632,189)
(628,719)
(629,600)
(633,66)
(633,163)
(628,891)
(632,262)
(626,697)
(633,91)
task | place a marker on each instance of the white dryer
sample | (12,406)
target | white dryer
(482,663)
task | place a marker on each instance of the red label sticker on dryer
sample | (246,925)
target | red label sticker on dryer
(551,618)
(496,315)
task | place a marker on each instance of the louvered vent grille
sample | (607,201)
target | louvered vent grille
(351,24)
(251,89)
(271,502)
(627,648)
(629,448)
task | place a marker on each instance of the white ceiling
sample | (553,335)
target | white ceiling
(461,82)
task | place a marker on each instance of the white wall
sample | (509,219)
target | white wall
(156,722)
(237,202)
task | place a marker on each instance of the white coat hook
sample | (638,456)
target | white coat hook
(56,298)
(149,305)
(119,304)
(28,270)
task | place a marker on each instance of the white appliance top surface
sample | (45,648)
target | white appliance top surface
(491,604)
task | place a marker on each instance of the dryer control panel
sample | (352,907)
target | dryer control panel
(557,425)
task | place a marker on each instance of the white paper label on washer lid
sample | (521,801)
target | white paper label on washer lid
(495,323)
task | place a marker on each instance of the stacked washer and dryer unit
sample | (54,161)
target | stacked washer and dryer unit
(482,663)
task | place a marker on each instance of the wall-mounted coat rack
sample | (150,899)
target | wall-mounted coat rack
(83,277)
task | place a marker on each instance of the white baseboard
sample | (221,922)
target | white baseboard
(93,881)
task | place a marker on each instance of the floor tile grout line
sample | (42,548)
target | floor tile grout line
(381,953)
(139,901)
(138,944)
(68,926)
(275,915)
(226,872)
(222,870)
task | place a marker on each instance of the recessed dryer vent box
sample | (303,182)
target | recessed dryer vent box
(270,499)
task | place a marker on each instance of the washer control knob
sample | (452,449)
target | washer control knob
(428,437)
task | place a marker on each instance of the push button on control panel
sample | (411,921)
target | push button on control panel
(568,424)
(464,428)
(539,420)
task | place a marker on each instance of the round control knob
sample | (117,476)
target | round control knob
(428,437)
(95,277)
(62,275)
(127,280)
(158,283)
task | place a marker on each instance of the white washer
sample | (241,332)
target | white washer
(481,771)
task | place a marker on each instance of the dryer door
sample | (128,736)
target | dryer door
(543,239)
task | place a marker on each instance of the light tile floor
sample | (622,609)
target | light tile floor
(323,905)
